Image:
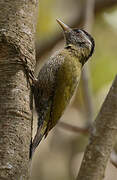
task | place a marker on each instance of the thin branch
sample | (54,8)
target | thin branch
(73,129)
(87,89)
(102,139)
(113,158)
(85,130)
(43,47)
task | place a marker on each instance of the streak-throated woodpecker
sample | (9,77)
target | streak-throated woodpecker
(58,80)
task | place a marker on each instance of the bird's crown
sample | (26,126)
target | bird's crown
(79,38)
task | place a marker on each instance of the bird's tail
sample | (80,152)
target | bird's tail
(37,139)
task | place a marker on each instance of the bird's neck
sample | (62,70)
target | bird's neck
(79,53)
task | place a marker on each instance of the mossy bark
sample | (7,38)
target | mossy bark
(17,31)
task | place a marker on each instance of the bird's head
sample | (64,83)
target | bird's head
(78,39)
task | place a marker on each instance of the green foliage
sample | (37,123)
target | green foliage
(104,62)
(45,24)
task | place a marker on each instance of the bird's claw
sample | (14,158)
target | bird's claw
(29,71)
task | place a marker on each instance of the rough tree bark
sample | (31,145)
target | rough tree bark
(102,139)
(17,29)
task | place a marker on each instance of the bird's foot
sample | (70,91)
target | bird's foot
(29,72)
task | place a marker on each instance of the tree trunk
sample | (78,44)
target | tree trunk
(17,30)
(102,140)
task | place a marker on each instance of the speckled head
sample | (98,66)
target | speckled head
(84,40)
(79,38)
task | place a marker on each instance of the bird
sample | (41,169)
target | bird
(58,79)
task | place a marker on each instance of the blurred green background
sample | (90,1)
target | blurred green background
(60,154)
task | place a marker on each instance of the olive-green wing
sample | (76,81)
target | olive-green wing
(67,78)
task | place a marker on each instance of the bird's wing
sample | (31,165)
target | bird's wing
(67,78)
(43,93)
(55,89)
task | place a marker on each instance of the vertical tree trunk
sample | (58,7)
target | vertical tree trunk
(17,29)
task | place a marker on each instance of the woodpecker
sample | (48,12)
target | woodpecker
(59,78)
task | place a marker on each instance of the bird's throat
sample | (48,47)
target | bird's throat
(80,53)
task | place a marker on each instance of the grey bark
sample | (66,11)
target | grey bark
(102,139)
(17,30)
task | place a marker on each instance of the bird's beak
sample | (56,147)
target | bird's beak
(64,26)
